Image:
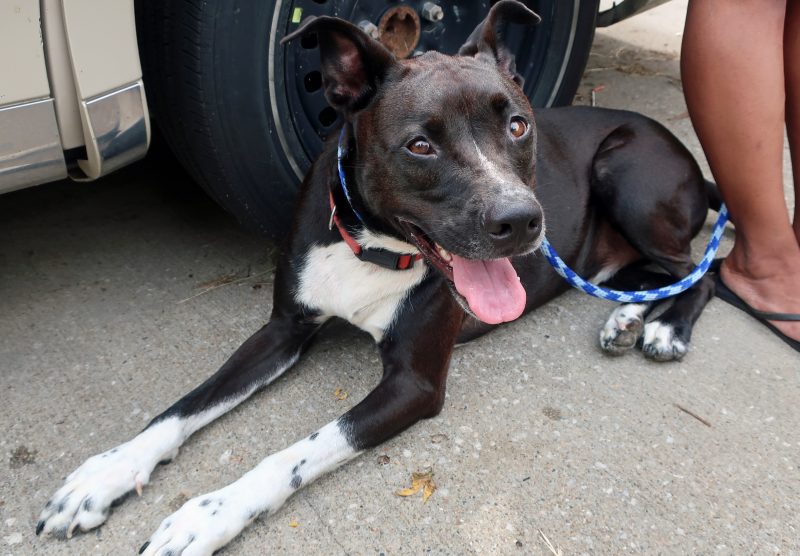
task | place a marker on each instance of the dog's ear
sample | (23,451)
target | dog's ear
(485,40)
(353,64)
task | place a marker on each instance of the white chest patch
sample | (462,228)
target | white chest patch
(336,283)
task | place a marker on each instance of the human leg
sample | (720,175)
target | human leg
(791,54)
(733,74)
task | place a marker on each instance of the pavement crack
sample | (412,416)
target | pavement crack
(327,526)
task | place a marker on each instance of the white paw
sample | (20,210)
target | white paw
(85,500)
(201,526)
(623,328)
(662,343)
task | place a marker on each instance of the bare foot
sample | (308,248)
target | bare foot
(773,288)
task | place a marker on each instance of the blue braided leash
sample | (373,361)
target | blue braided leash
(647,295)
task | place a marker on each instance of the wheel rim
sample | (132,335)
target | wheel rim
(303,117)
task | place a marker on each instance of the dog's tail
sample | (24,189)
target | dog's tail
(714,196)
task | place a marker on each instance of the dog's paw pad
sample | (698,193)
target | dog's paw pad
(85,500)
(662,342)
(623,328)
(200,526)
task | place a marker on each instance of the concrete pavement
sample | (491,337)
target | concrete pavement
(119,296)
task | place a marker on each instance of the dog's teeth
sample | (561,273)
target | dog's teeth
(443,253)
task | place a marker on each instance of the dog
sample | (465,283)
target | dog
(420,226)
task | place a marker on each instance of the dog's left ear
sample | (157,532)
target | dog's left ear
(353,64)
(485,40)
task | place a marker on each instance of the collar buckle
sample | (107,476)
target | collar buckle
(386,259)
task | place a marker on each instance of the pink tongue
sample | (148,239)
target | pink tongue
(491,287)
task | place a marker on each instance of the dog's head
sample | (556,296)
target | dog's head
(444,152)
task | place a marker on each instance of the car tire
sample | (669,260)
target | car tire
(246,121)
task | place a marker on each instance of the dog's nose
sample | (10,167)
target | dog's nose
(513,225)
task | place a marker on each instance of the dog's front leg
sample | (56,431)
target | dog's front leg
(416,354)
(85,499)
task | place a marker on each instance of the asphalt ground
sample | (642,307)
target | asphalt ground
(117,297)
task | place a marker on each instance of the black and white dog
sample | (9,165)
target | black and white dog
(425,240)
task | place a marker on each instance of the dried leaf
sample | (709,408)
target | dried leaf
(340,394)
(430,487)
(409,491)
(420,481)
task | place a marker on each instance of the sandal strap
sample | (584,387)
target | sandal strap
(775,316)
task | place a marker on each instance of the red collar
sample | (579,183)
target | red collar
(381,257)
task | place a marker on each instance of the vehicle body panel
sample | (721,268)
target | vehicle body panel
(22,63)
(73,98)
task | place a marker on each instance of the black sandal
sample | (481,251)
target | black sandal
(725,294)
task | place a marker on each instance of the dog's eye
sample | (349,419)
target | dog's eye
(518,127)
(420,146)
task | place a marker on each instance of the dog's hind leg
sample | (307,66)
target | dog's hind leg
(653,193)
(85,500)
(415,353)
